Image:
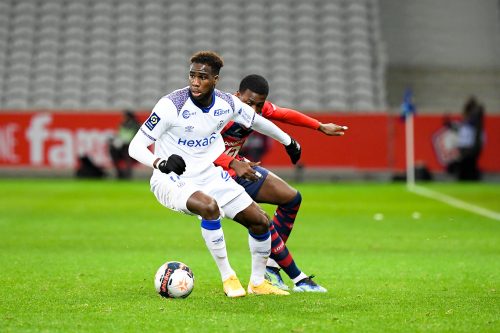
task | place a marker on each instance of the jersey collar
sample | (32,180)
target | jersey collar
(203,108)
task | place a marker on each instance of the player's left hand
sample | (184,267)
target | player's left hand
(293,150)
(332,129)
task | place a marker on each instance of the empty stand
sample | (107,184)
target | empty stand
(317,54)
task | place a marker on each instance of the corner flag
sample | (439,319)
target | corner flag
(407,107)
(407,113)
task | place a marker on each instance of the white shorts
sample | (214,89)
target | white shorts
(173,191)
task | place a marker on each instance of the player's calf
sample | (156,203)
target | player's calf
(285,215)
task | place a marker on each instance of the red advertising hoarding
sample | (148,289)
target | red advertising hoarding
(373,141)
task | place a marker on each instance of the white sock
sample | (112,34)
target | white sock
(260,250)
(300,277)
(216,244)
(272,263)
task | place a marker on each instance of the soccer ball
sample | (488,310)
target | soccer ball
(174,279)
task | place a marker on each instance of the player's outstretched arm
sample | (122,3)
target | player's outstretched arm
(289,116)
(294,117)
(248,118)
(268,128)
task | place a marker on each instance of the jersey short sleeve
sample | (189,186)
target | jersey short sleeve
(160,118)
(244,114)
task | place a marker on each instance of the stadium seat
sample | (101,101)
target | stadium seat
(71,92)
(102,7)
(23,30)
(16,101)
(46,69)
(75,21)
(153,31)
(76,7)
(16,91)
(229,9)
(124,47)
(44,98)
(101,27)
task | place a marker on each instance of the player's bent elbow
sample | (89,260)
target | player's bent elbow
(131,150)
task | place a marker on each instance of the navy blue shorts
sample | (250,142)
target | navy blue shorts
(253,188)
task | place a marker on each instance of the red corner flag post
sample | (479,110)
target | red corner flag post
(408,112)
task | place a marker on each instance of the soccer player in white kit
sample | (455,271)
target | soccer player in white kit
(185,126)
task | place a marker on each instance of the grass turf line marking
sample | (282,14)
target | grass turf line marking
(454,202)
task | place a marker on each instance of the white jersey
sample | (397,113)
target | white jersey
(178,126)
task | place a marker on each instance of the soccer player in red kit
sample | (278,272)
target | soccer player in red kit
(264,186)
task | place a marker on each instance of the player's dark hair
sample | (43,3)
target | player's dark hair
(256,83)
(209,58)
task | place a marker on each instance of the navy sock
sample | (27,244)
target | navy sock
(285,215)
(280,254)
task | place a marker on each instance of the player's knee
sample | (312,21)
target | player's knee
(260,225)
(211,210)
(203,205)
(295,201)
(298,198)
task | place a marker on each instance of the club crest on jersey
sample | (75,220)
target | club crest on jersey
(152,121)
(186,114)
(220,112)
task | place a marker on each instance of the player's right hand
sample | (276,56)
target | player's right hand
(174,163)
(245,170)
(293,150)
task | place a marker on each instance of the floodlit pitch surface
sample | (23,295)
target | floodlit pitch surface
(79,256)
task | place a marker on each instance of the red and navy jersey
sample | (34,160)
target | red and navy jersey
(235,135)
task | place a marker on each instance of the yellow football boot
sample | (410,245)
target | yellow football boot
(265,288)
(233,288)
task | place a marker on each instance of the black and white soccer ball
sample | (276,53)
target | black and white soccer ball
(174,279)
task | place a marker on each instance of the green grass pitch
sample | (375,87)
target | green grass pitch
(80,256)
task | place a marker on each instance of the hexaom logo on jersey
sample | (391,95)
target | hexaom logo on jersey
(197,142)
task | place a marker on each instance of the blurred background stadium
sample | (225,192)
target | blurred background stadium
(69,68)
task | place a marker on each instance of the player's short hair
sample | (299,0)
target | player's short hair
(256,83)
(209,58)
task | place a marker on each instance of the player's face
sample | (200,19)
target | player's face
(202,83)
(256,101)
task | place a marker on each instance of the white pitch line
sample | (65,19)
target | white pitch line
(454,202)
